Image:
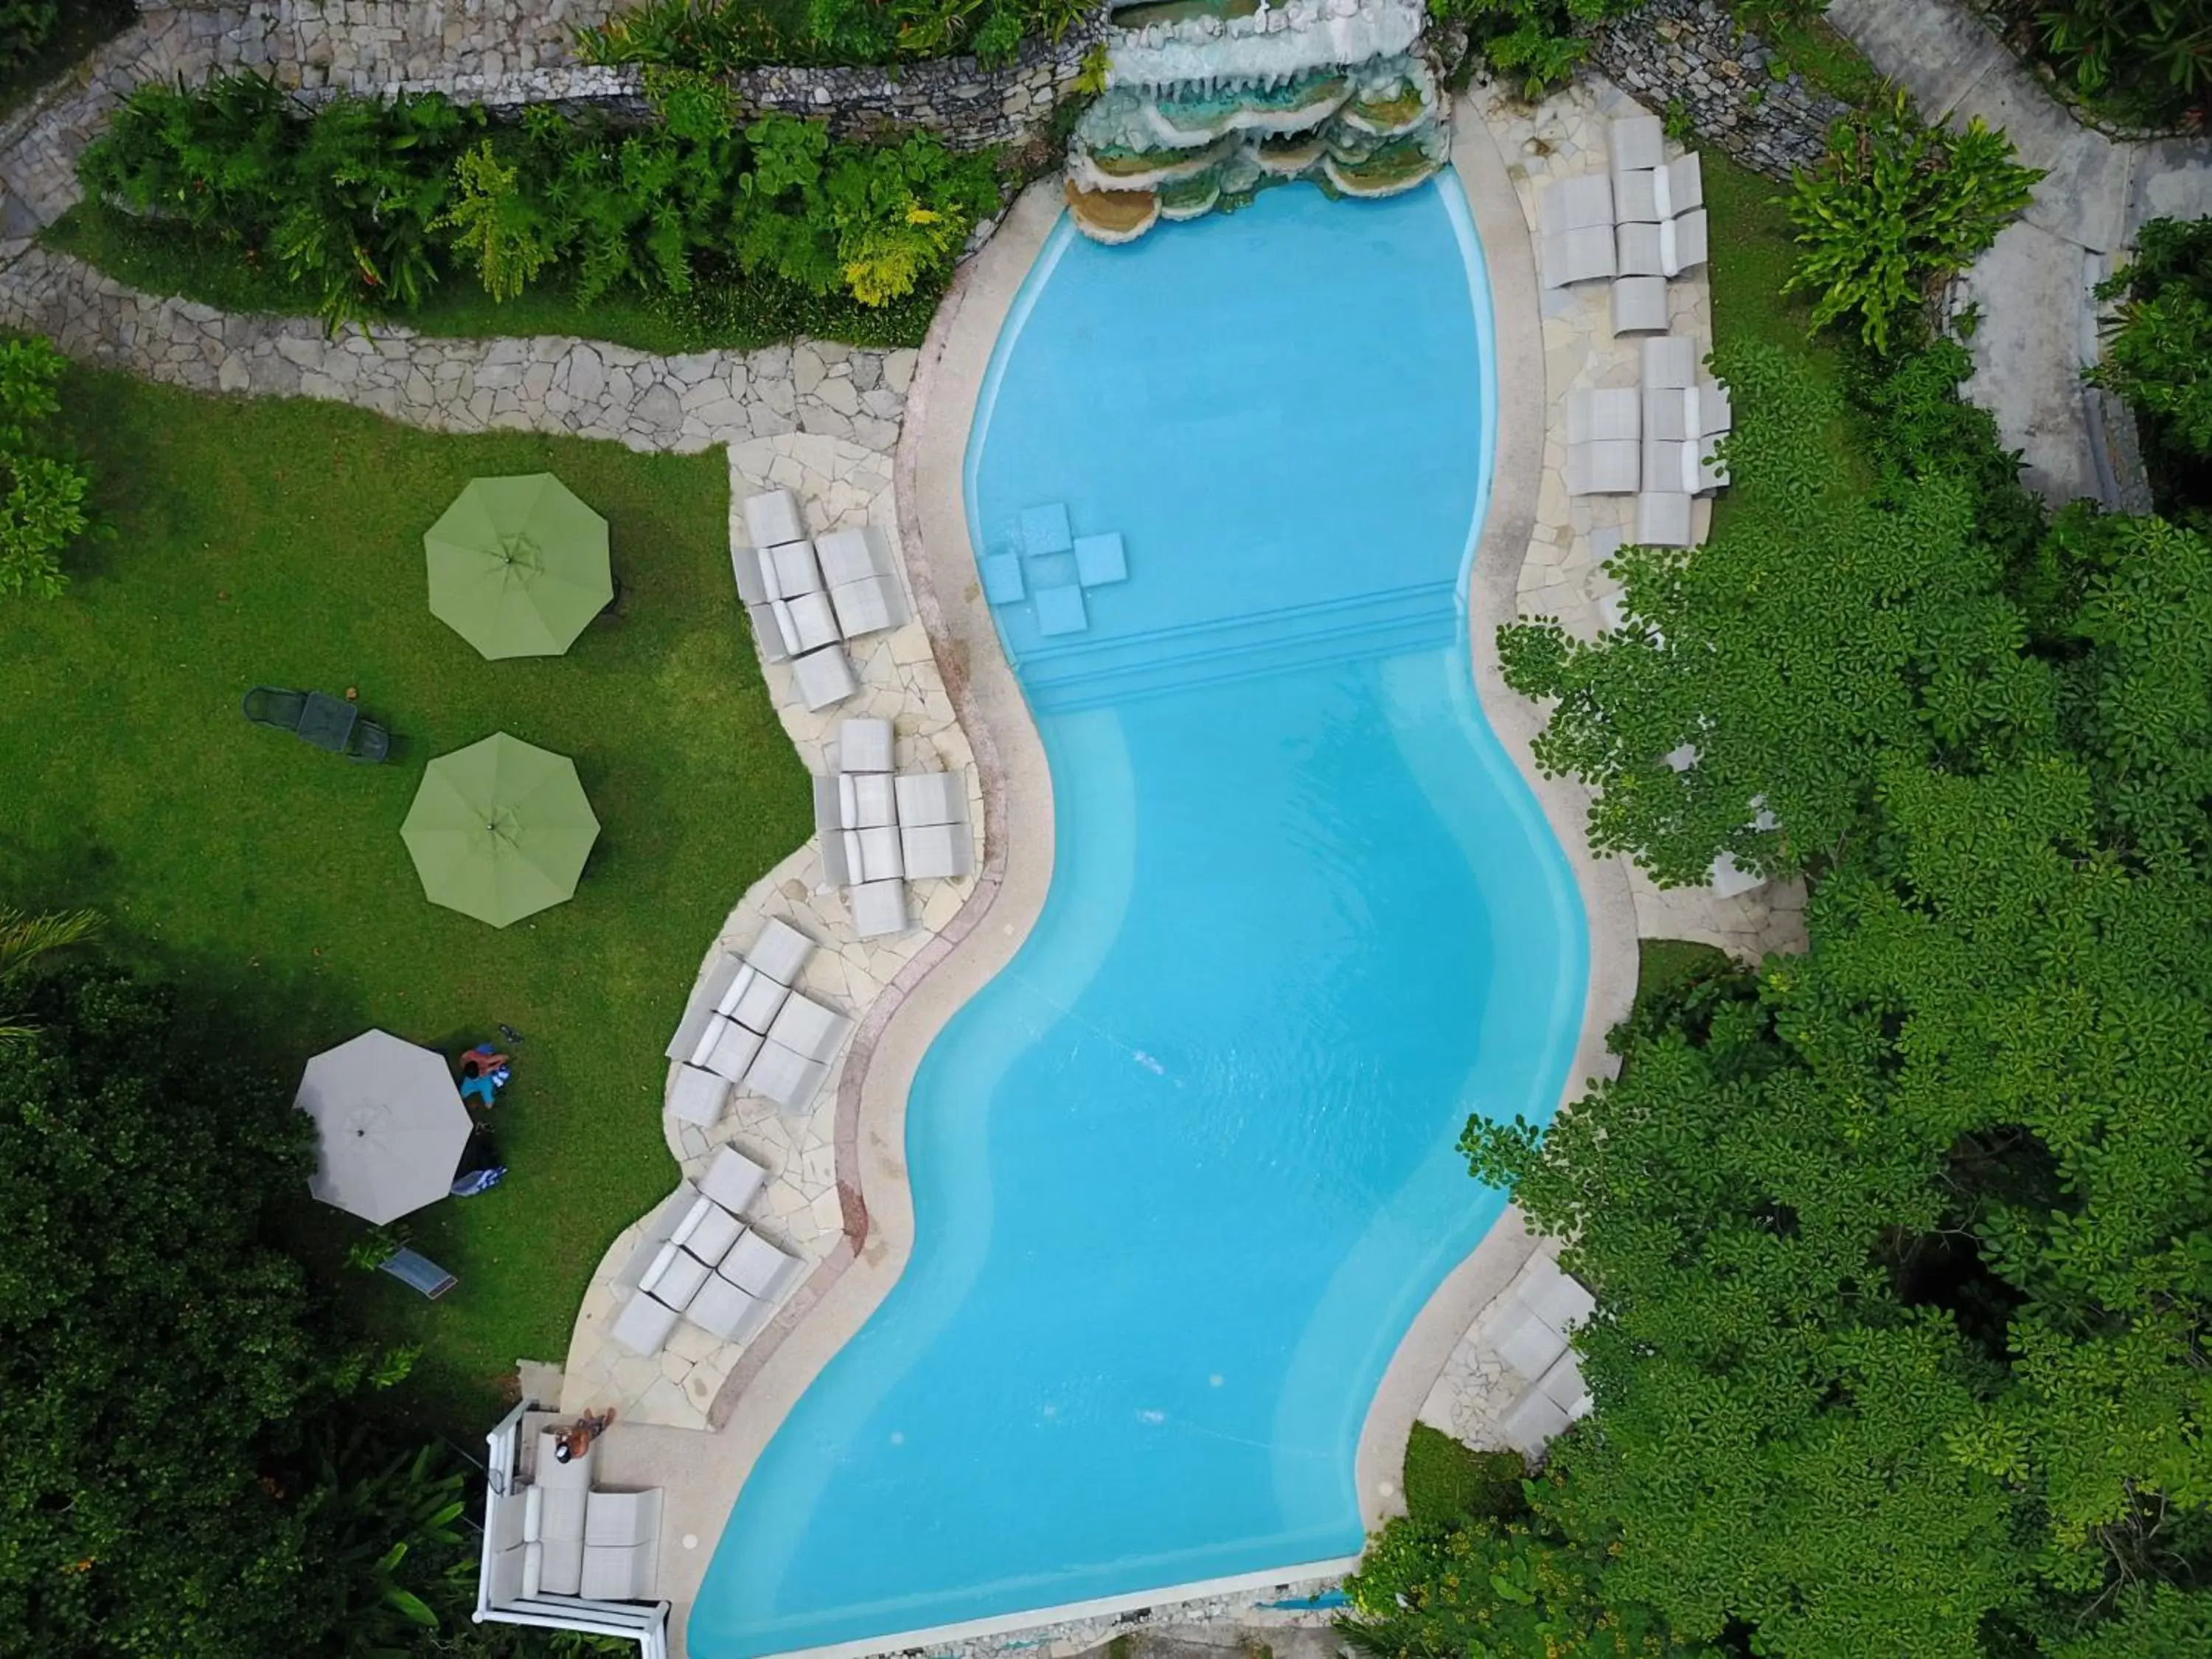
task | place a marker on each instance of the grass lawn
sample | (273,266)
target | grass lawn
(738,314)
(279,542)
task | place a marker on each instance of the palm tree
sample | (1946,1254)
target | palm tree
(24,938)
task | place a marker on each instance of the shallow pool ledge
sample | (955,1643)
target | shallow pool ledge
(1527,408)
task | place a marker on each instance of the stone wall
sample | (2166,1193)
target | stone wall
(506,54)
(968,105)
(1691,52)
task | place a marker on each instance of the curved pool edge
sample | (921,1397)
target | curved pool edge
(1525,407)
(1011,891)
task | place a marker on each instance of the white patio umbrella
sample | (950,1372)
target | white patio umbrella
(391,1125)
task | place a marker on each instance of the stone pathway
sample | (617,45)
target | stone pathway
(2038,318)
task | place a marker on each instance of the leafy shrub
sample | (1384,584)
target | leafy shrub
(2158,353)
(41,495)
(1533,42)
(1895,209)
(25,26)
(718,36)
(2147,60)
(363,206)
(1447,1482)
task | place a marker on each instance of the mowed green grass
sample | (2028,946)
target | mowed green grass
(279,542)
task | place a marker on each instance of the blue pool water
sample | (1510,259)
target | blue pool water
(1185,1171)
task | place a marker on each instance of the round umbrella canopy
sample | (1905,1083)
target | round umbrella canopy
(518,566)
(391,1124)
(499,829)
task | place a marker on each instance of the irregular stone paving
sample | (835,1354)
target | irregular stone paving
(547,383)
(1562,577)
(839,486)
(2038,318)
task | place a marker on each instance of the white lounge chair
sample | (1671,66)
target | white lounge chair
(732,1181)
(1635,141)
(932,797)
(1666,249)
(707,1231)
(721,1309)
(1670,361)
(1575,204)
(865,745)
(673,1277)
(790,571)
(1597,414)
(727,1050)
(823,678)
(780,951)
(846,556)
(937,851)
(1604,467)
(787,1079)
(1639,305)
(1697,411)
(772,517)
(1685,464)
(698,1095)
(642,1325)
(1664,519)
(878,907)
(1654,195)
(1577,256)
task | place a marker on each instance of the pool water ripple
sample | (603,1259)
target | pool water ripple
(1186,1170)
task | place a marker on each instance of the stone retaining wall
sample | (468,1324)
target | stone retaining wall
(1690,53)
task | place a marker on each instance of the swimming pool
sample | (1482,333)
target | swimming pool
(1184,1172)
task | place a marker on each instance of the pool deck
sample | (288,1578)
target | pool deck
(840,1189)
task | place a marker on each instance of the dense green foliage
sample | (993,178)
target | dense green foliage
(279,541)
(2158,355)
(1898,1246)
(1535,43)
(1447,1482)
(717,36)
(364,206)
(42,493)
(1895,209)
(2141,60)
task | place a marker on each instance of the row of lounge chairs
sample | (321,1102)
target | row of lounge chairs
(746,1027)
(1657,442)
(807,597)
(1638,223)
(699,1261)
(880,830)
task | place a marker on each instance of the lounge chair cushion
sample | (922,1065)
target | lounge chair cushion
(757,1267)
(699,1012)
(755,1009)
(711,1239)
(787,1079)
(848,853)
(555,1476)
(865,746)
(771,582)
(807,1028)
(1670,361)
(874,802)
(850,555)
(780,951)
(878,907)
(734,993)
(1532,1422)
(1603,413)
(561,1572)
(1577,256)
(772,517)
(621,1519)
(533,1569)
(1683,247)
(642,1325)
(879,853)
(732,1180)
(1635,141)
(796,572)
(867,606)
(1663,518)
(733,1051)
(744,565)
(813,623)
(1575,204)
(618,1573)
(936,851)
(679,1281)
(823,678)
(1610,468)
(1639,305)
(720,1308)
(697,1096)
(932,797)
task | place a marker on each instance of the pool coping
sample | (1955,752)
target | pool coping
(1016,872)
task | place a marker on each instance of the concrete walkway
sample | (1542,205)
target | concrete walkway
(2039,324)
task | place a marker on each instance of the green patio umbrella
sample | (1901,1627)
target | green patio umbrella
(499,829)
(518,566)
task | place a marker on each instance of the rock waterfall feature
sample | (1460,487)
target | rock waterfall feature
(1209,102)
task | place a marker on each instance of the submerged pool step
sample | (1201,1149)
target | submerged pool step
(1090,673)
